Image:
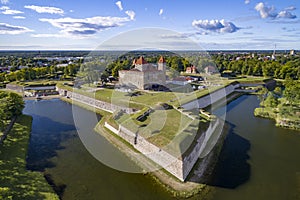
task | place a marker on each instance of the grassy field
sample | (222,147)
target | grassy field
(15,181)
(178,96)
(167,129)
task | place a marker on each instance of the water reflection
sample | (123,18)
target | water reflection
(232,168)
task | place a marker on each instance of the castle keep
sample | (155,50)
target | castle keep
(144,75)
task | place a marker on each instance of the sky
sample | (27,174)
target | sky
(163,24)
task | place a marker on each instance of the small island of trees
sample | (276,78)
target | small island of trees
(281,105)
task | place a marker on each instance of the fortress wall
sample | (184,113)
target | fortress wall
(201,149)
(170,163)
(131,77)
(211,98)
(93,102)
(14,87)
(111,128)
(157,77)
(180,168)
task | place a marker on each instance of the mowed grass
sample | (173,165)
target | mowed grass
(173,133)
(162,128)
(15,181)
(177,97)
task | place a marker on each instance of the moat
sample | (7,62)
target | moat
(258,160)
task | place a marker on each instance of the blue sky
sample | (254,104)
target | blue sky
(214,25)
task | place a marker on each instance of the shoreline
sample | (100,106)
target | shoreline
(280,122)
(187,189)
(43,97)
(16,181)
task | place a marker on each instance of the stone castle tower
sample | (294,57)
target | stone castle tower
(162,64)
(144,75)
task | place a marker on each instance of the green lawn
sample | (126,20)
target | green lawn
(166,129)
(177,97)
(15,181)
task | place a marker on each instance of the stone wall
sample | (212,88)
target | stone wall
(170,163)
(142,78)
(211,98)
(205,144)
(155,77)
(93,102)
(130,77)
(179,167)
(14,87)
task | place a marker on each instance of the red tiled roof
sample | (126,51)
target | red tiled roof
(140,61)
(161,60)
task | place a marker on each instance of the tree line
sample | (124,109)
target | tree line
(33,73)
(283,67)
(285,98)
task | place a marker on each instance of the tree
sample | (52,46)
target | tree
(292,91)
(66,71)
(278,91)
(262,95)
(271,100)
(11,104)
(1,118)
(257,71)
(104,77)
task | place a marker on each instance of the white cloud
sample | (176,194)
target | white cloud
(218,26)
(269,12)
(84,27)
(12,12)
(119,4)
(161,11)
(291,8)
(13,30)
(4,1)
(4,8)
(286,14)
(247,1)
(130,13)
(178,35)
(19,17)
(265,11)
(8,11)
(45,9)
(50,35)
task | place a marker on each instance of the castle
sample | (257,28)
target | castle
(144,75)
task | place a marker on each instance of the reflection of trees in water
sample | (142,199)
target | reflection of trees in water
(46,138)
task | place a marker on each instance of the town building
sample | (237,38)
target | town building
(144,75)
(210,70)
(292,52)
(191,70)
